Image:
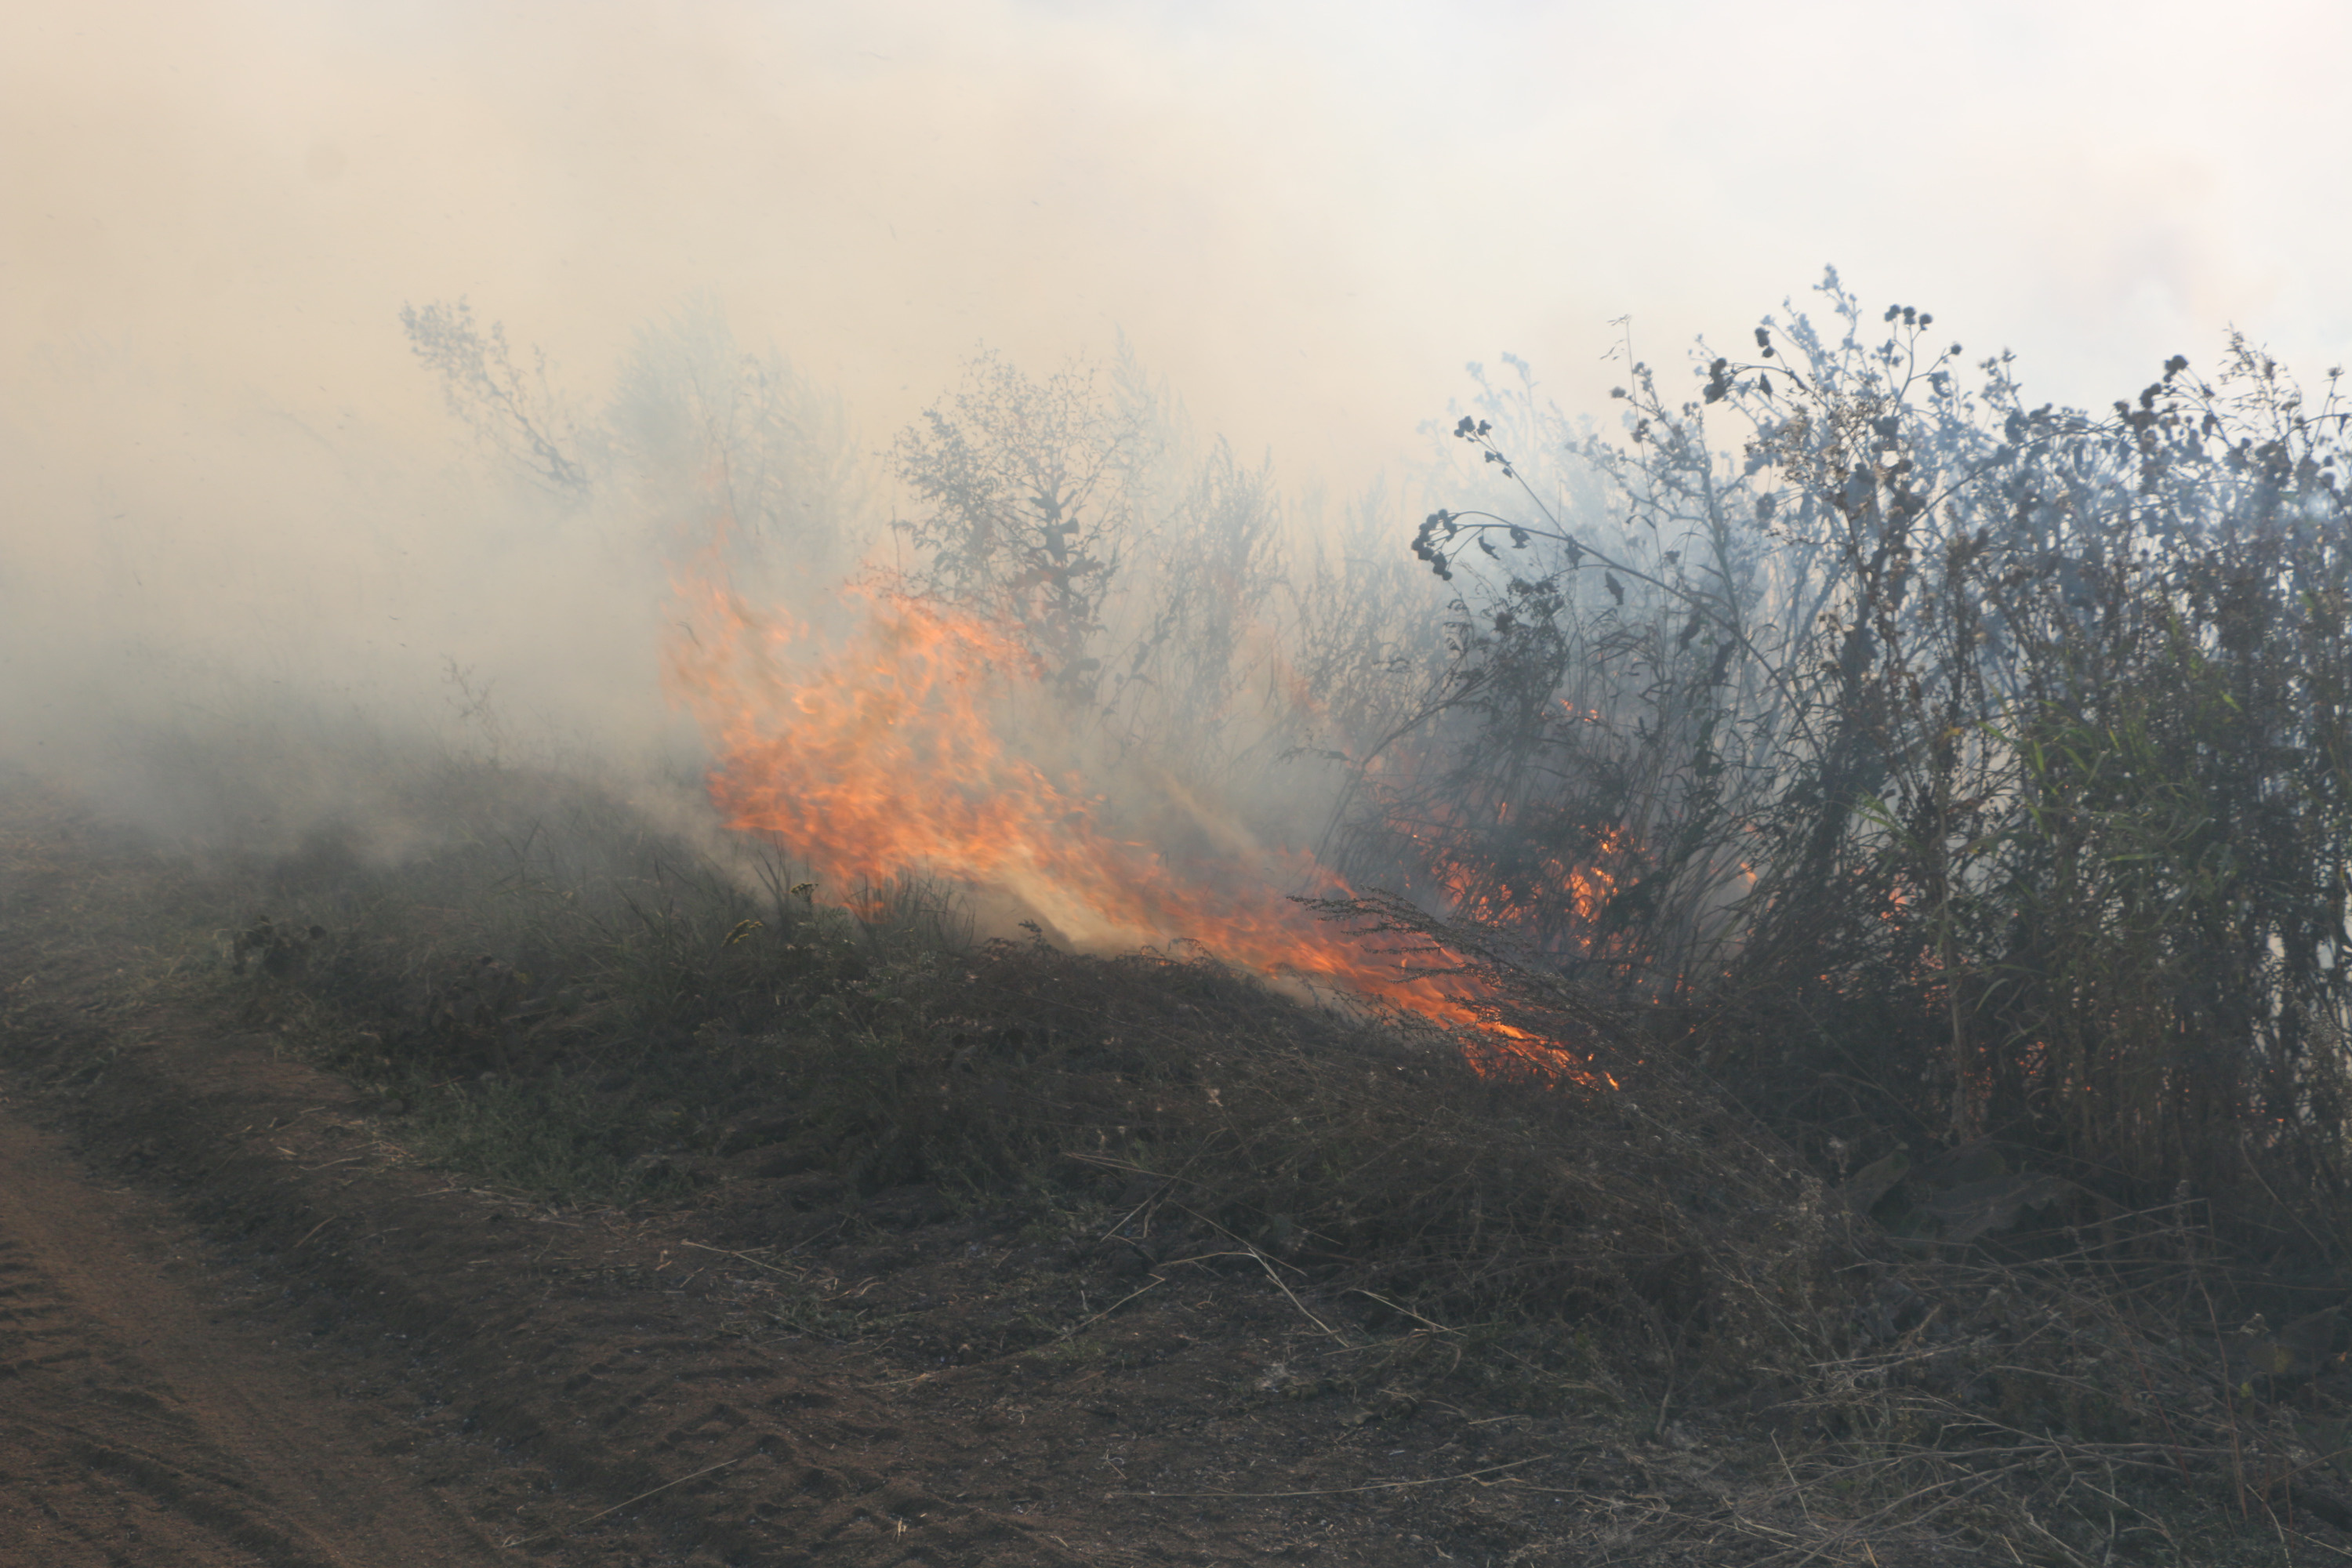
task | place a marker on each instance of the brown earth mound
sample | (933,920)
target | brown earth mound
(243,1326)
(241,1322)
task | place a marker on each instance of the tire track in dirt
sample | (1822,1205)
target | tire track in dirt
(540,1378)
(137,1431)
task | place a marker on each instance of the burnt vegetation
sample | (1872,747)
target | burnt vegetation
(1921,816)
(1979,769)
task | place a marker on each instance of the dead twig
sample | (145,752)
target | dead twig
(1076,1329)
(1342,1491)
(551,1534)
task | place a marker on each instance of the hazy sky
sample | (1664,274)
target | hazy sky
(1305,215)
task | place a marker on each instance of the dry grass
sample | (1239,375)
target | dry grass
(1808,1383)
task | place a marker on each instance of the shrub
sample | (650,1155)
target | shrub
(1955,769)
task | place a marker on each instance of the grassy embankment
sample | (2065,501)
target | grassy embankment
(560,999)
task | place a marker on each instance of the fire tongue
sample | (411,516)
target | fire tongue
(890,755)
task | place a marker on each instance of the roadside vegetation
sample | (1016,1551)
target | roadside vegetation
(1927,818)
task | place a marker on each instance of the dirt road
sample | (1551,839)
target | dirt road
(142,1422)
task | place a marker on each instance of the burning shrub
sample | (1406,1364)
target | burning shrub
(1983,766)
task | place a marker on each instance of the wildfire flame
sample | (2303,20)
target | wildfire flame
(893,753)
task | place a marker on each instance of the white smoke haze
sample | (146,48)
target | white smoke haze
(236,518)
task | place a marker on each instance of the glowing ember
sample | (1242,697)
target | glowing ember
(893,754)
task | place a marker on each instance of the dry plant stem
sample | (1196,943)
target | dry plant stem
(1405,1311)
(743,1258)
(1267,1264)
(1078,1328)
(772,1268)
(551,1534)
(1343,1492)
(1794,1485)
(1887,1516)
(2157,1405)
(2229,1403)
(1117,1225)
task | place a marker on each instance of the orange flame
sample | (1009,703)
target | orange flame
(1588,887)
(891,755)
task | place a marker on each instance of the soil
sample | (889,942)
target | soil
(241,1324)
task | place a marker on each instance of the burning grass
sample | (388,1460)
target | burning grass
(624,1013)
(914,748)
(1858,936)
(2086,1380)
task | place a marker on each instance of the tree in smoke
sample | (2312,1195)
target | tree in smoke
(1027,505)
(1153,577)
(715,438)
(725,439)
(511,411)
(1204,574)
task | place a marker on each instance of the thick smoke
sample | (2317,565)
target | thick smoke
(242,536)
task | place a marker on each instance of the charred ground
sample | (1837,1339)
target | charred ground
(525,1197)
